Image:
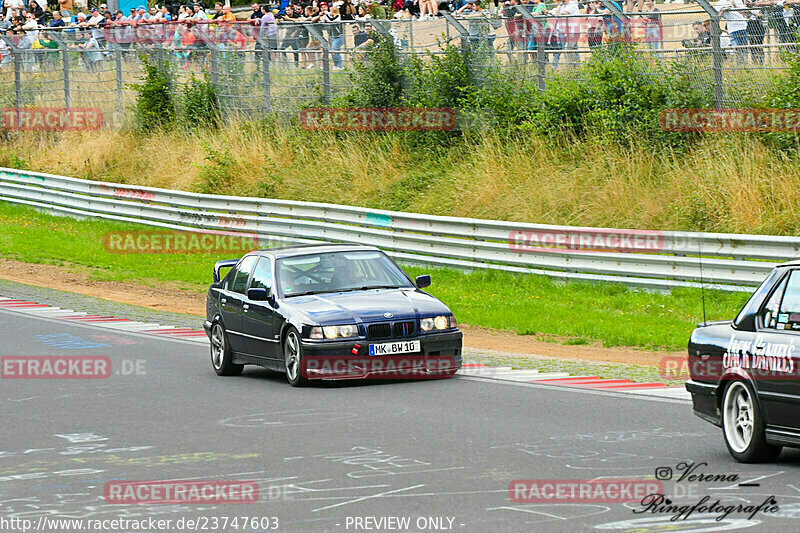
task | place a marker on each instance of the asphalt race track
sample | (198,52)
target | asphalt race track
(347,457)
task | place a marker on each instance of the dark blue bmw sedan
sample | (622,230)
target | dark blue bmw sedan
(328,312)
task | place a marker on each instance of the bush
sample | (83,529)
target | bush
(216,175)
(200,104)
(155,105)
(618,97)
(379,80)
(441,80)
(785,93)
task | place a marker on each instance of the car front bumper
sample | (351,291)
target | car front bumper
(439,355)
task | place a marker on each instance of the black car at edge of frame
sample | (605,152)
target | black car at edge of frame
(745,373)
(276,306)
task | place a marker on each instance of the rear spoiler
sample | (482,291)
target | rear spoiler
(225,263)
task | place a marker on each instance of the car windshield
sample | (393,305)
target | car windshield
(338,272)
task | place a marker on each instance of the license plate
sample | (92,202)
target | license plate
(391,348)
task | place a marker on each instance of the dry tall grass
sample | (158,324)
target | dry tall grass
(728,184)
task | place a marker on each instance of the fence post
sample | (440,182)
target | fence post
(462,31)
(717,54)
(541,54)
(118,69)
(380,28)
(611,6)
(214,63)
(326,60)
(265,67)
(63,52)
(17,60)
(17,56)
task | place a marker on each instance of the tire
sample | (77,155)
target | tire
(292,358)
(221,356)
(743,425)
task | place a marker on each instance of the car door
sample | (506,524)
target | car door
(232,301)
(258,318)
(775,353)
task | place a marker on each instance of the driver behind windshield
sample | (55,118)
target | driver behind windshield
(346,274)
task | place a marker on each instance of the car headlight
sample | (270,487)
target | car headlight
(439,322)
(334,332)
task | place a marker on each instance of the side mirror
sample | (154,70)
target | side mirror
(423,281)
(258,295)
(219,265)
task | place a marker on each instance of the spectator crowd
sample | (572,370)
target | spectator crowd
(559,27)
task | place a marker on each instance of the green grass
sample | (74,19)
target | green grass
(579,313)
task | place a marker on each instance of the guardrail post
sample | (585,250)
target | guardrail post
(326,61)
(717,54)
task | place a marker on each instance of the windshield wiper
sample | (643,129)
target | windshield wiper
(303,293)
(368,287)
(364,288)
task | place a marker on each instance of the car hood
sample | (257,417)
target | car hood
(366,306)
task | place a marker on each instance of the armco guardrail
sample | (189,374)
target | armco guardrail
(650,259)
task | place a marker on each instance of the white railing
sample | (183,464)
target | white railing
(649,259)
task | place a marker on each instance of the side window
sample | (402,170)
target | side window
(262,275)
(243,274)
(769,313)
(789,314)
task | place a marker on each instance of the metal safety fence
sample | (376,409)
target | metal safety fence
(649,259)
(285,66)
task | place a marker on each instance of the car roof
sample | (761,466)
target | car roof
(306,249)
(795,262)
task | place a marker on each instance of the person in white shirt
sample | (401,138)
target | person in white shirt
(96,22)
(199,14)
(568,30)
(735,25)
(13,7)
